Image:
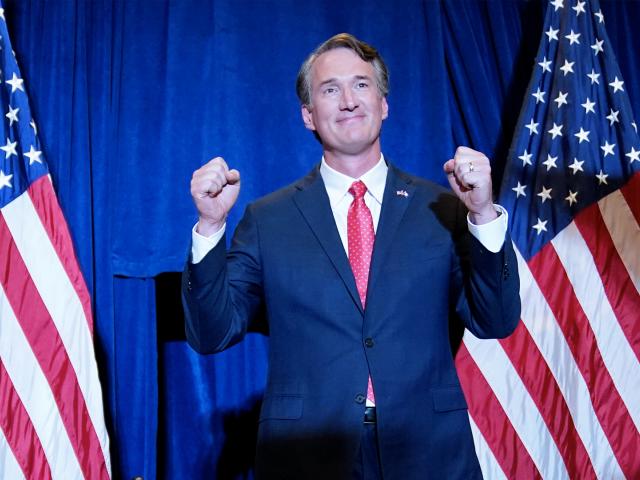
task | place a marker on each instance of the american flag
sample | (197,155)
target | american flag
(51,414)
(560,398)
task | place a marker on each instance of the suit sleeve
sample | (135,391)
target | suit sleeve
(488,286)
(222,294)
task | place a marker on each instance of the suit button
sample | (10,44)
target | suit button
(360,398)
(368,342)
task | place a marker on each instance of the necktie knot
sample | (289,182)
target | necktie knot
(358,189)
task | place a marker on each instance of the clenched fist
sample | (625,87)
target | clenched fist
(469,174)
(215,189)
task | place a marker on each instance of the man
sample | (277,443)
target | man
(360,272)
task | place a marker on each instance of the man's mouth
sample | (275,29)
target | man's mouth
(350,119)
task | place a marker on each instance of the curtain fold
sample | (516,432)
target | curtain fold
(131,97)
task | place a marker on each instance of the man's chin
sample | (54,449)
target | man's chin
(351,146)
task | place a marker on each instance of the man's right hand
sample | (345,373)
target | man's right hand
(214,189)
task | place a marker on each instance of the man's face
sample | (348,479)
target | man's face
(346,107)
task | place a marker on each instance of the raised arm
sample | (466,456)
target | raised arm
(221,294)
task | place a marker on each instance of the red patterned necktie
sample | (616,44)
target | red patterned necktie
(360,236)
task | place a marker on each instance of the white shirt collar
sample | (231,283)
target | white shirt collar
(338,184)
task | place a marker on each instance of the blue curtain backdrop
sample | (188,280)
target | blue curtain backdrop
(130,97)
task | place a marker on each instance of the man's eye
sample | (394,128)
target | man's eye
(362,85)
(330,90)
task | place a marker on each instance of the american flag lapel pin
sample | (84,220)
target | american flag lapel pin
(402,193)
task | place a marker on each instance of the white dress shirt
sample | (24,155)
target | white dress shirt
(337,184)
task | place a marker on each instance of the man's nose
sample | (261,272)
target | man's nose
(348,101)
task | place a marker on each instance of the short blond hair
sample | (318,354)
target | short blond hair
(343,40)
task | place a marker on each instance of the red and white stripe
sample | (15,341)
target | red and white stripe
(560,398)
(55,426)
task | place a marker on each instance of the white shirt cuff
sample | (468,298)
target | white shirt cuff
(491,235)
(201,245)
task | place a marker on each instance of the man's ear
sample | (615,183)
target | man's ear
(385,108)
(307,117)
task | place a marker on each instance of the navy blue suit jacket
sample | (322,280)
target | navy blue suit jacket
(287,266)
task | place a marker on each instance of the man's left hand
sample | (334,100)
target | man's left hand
(469,174)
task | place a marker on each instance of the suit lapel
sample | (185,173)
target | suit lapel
(313,202)
(398,193)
